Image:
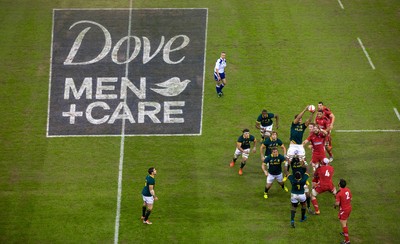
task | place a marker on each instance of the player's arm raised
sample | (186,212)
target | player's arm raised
(308,121)
(277,120)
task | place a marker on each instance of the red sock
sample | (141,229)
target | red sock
(315,204)
(346,234)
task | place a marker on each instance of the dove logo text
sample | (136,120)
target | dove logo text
(178,42)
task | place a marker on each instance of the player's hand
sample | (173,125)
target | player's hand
(266,173)
(155,198)
(254,149)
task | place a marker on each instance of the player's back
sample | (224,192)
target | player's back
(325,174)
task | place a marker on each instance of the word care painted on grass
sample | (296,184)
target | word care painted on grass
(144,67)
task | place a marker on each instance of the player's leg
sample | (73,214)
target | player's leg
(218,84)
(345,232)
(245,156)
(144,208)
(314,201)
(270,179)
(223,82)
(235,157)
(279,178)
(303,210)
(293,210)
(149,203)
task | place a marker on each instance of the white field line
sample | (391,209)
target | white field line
(362,131)
(366,53)
(122,146)
(397,113)
(340,3)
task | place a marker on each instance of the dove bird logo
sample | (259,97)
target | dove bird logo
(171,87)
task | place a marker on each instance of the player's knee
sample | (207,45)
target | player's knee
(295,204)
(314,193)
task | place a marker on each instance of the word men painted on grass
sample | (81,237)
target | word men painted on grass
(141,66)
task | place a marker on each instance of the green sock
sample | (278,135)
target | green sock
(148,212)
(292,214)
(144,211)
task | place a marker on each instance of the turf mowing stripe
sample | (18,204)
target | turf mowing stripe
(366,53)
(340,3)
(122,147)
(358,131)
(397,113)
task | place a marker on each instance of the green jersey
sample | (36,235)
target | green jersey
(297,166)
(245,141)
(149,181)
(296,132)
(298,185)
(266,121)
(269,144)
(274,164)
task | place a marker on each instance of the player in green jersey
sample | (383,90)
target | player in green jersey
(272,167)
(243,148)
(269,143)
(264,123)
(296,135)
(149,196)
(298,182)
(301,166)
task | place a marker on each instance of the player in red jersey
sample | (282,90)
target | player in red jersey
(324,123)
(343,201)
(323,182)
(331,117)
(317,140)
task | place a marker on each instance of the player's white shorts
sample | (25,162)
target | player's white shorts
(245,153)
(270,178)
(306,188)
(266,130)
(296,149)
(148,200)
(296,198)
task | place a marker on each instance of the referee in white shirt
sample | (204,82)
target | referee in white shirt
(219,74)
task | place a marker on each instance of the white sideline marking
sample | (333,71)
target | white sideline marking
(367,131)
(366,54)
(122,147)
(341,5)
(397,113)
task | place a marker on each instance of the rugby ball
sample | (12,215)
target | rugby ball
(311,108)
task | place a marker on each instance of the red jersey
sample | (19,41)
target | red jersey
(344,198)
(327,112)
(318,143)
(324,175)
(323,122)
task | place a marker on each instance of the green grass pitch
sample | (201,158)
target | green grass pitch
(282,55)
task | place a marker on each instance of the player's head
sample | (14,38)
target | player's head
(274,135)
(297,175)
(342,183)
(152,170)
(223,54)
(264,113)
(311,126)
(320,113)
(274,151)
(320,105)
(246,133)
(316,129)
